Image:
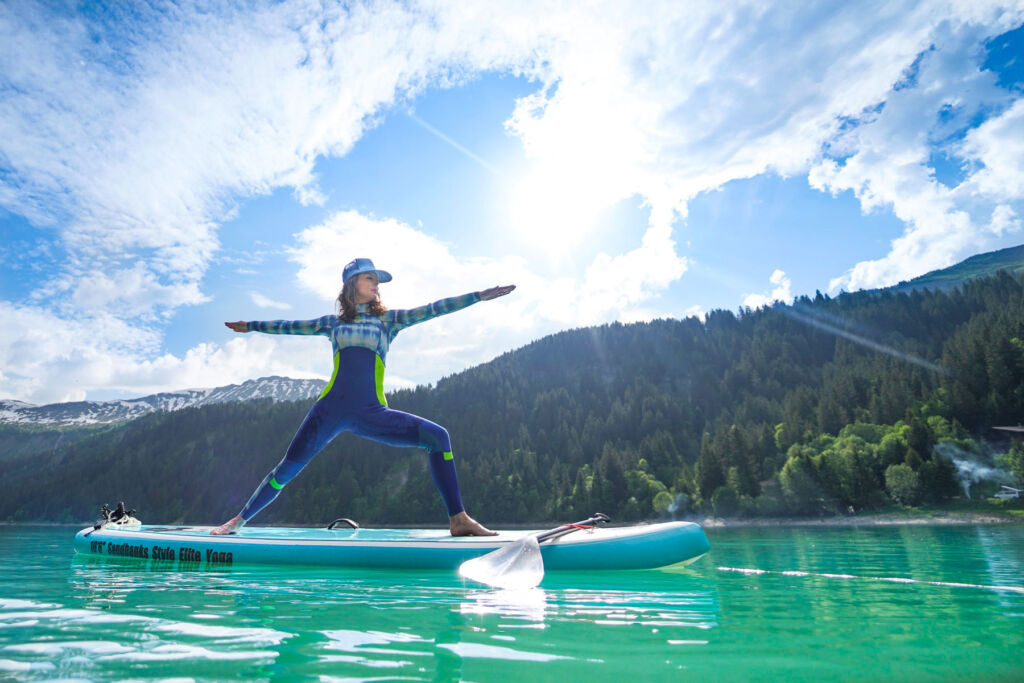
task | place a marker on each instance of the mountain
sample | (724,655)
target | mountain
(85,413)
(1010,259)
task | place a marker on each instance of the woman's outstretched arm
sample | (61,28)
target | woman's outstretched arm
(404,318)
(321,325)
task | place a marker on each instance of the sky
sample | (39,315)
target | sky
(167,167)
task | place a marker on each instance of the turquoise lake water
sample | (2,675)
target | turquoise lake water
(906,603)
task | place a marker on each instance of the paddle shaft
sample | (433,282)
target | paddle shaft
(569,528)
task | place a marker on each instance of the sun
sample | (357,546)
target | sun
(553,209)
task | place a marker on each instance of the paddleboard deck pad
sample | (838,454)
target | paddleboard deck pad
(606,548)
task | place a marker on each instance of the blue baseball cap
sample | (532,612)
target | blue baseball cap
(363,265)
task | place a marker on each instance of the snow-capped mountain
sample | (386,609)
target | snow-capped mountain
(105,412)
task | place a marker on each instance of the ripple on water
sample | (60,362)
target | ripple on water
(499,653)
(138,638)
(24,667)
(59,648)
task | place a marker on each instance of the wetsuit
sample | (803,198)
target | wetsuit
(353,400)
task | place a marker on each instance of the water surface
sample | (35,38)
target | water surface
(895,603)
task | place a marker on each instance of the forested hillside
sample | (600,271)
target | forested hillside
(819,407)
(18,440)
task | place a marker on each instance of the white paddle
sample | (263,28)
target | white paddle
(519,565)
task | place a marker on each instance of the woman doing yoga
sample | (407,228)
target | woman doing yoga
(354,400)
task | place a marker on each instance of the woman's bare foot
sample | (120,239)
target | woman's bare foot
(463,525)
(228,527)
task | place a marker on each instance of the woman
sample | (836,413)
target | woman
(354,398)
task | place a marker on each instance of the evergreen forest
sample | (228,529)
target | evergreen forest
(825,406)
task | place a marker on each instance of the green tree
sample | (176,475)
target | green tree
(1015,461)
(725,501)
(902,484)
(846,472)
(801,491)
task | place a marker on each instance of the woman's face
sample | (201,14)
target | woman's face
(366,288)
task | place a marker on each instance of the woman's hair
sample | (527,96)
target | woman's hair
(347,302)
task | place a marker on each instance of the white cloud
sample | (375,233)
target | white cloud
(998,146)
(134,290)
(713,94)
(780,292)
(617,283)
(265,302)
(889,154)
(425,270)
(140,148)
(134,139)
(1004,221)
(50,358)
(696,311)
(135,135)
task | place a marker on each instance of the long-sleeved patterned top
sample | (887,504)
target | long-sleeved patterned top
(366,331)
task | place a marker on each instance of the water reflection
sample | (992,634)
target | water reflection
(529,605)
(581,621)
(599,606)
(425,624)
(1003,568)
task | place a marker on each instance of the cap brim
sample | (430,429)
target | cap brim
(383,276)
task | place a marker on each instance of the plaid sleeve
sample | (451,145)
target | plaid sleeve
(404,318)
(320,325)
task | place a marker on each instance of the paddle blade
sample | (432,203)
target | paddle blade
(516,566)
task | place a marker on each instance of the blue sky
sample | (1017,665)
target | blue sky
(168,168)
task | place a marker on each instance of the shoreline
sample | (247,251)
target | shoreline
(870,520)
(894,518)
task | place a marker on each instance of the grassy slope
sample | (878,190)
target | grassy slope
(981,265)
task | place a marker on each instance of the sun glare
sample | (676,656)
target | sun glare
(553,211)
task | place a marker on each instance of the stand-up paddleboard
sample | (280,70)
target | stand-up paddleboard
(637,547)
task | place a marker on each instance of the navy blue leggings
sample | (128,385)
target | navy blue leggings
(351,405)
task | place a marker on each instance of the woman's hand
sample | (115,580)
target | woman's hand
(495,292)
(239,326)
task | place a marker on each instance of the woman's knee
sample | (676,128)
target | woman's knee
(286,470)
(434,437)
(315,432)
